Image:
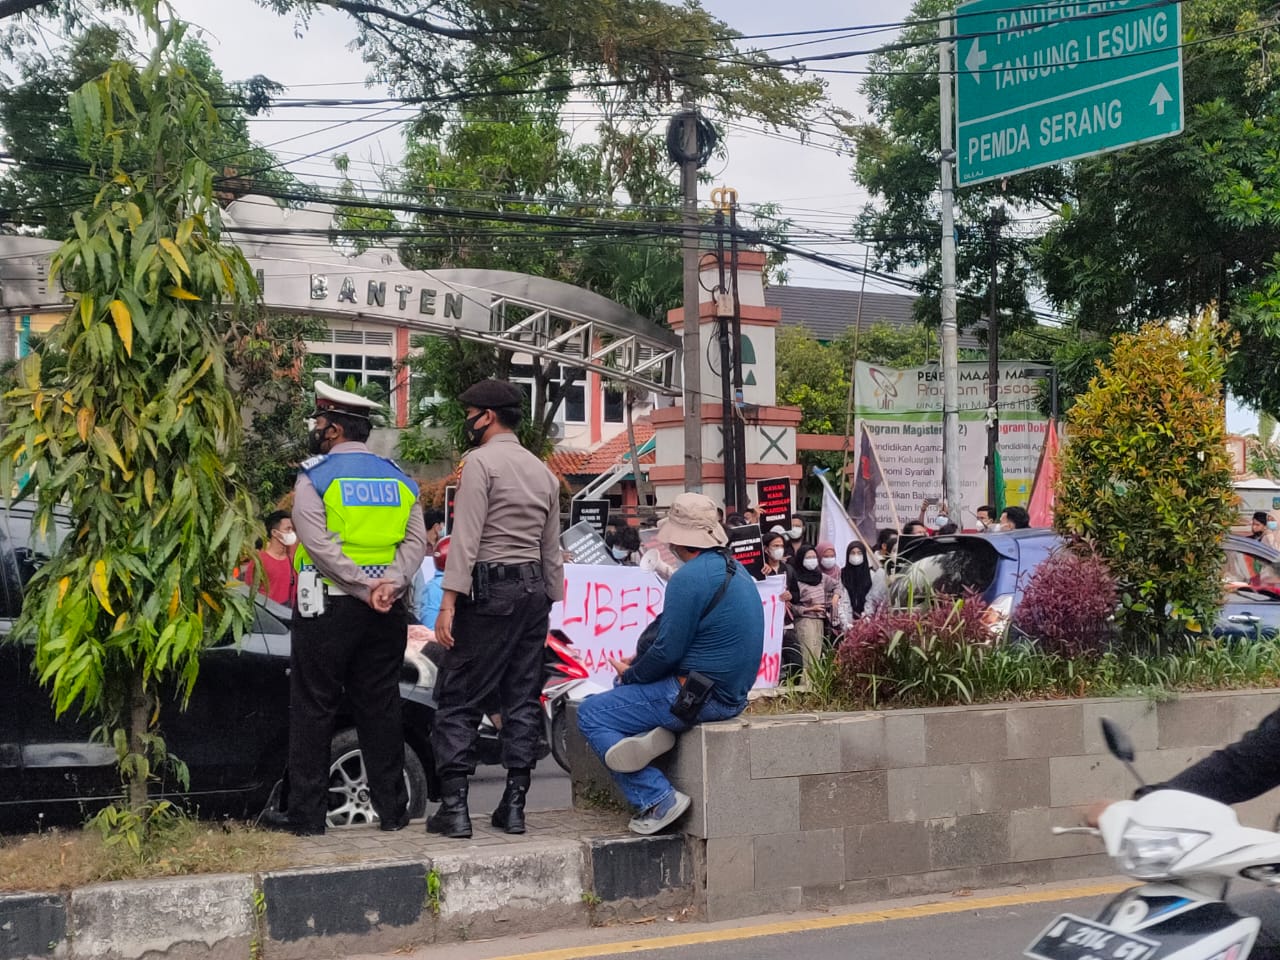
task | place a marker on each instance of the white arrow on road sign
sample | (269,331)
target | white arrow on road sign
(976,60)
(1160,98)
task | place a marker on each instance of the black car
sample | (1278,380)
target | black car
(233,735)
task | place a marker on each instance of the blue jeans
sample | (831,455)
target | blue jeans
(633,708)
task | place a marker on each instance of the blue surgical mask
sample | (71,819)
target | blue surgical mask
(1272,525)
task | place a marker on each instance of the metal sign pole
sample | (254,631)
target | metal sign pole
(950,335)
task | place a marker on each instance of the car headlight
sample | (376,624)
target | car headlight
(1149,853)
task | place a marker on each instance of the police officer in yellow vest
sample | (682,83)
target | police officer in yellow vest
(361,540)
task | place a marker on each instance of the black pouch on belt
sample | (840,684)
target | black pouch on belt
(693,694)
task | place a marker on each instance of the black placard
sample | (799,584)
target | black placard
(594,512)
(747,548)
(450,495)
(585,544)
(773,498)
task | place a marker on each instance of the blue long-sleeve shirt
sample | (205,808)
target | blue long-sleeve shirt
(428,594)
(726,645)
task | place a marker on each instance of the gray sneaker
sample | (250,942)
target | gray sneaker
(661,815)
(635,753)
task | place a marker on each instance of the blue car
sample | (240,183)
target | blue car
(998,566)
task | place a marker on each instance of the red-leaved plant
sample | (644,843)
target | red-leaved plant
(918,654)
(1068,604)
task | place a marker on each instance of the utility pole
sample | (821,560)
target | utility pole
(950,335)
(726,364)
(692,351)
(995,222)
(739,428)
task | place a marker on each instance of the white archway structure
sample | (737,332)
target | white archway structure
(300,271)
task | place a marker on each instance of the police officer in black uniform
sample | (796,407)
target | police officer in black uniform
(361,540)
(505,570)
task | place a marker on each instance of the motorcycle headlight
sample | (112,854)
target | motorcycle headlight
(1149,853)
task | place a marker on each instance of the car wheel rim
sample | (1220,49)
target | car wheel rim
(349,801)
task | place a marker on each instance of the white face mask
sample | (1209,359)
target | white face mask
(829,563)
(857,559)
(811,563)
(943,520)
(619,553)
(777,553)
(289,539)
(796,533)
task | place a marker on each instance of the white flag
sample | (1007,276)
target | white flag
(834,526)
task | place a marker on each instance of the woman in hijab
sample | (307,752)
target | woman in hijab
(827,559)
(855,580)
(811,605)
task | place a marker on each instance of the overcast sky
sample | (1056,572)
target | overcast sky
(810,182)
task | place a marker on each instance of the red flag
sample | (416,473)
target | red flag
(1042,488)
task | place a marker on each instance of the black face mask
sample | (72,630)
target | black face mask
(315,440)
(469,429)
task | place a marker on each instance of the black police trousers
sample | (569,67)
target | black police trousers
(350,656)
(498,648)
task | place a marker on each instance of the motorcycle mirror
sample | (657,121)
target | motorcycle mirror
(1118,741)
(1121,747)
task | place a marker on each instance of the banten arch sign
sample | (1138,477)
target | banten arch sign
(300,271)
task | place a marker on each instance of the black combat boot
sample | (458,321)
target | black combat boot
(452,817)
(510,813)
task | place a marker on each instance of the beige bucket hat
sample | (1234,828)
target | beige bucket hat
(692,522)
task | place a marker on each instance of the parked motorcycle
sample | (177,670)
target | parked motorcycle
(565,681)
(1187,849)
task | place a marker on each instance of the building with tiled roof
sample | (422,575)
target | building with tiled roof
(579,467)
(826,312)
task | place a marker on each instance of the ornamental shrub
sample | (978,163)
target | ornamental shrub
(1068,604)
(1146,478)
(919,654)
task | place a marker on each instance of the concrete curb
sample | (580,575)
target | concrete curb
(369,907)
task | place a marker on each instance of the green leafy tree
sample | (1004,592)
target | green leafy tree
(50,178)
(814,376)
(643,53)
(47,178)
(1145,233)
(136,436)
(268,369)
(1146,477)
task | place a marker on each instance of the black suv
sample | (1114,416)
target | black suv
(233,736)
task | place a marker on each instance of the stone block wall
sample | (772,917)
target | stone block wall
(804,811)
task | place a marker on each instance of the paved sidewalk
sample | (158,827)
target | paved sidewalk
(359,890)
(368,843)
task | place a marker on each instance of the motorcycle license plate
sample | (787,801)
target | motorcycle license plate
(1071,938)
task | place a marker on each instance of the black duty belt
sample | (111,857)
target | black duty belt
(513,571)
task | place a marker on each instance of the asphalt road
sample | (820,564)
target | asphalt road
(550,789)
(984,926)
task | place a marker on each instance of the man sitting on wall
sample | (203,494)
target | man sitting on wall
(705,658)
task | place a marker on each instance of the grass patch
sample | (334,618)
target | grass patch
(922,672)
(60,860)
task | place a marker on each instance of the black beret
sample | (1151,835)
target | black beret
(491,394)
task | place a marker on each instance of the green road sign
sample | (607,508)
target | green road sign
(1042,82)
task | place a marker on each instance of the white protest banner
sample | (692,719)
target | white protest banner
(902,411)
(605,609)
